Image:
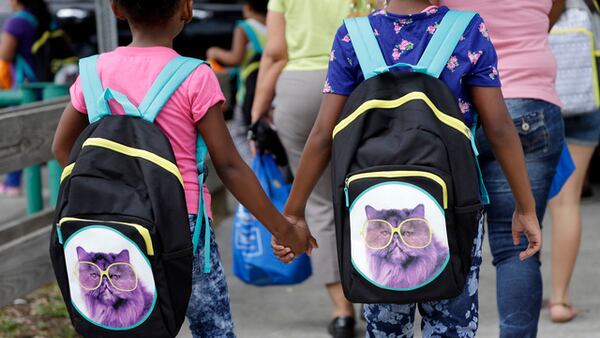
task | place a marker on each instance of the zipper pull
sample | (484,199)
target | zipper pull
(347,194)
(59,234)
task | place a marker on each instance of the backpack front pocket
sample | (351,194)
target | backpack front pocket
(398,231)
(110,278)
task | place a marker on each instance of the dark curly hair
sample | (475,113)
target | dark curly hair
(149,11)
(259,6)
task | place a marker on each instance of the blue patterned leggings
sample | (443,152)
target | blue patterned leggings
(457,317)
(209,311)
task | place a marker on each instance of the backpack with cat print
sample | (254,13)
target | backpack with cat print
(406,183)
(121,246)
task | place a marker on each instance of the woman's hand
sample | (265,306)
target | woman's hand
(527,223)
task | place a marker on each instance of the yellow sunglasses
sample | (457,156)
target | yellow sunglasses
(122,276)
(414,232)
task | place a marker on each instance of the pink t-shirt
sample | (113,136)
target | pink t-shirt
(519,31)
(132,71)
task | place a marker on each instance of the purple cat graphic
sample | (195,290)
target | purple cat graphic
(398,265)
(116,307)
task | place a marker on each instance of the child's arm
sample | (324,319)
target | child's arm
(502,134)
(274,60)
(242,182)
(233,57)
(558,7)
(316,157)
(70,126)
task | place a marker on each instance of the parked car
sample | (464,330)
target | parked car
(213,25)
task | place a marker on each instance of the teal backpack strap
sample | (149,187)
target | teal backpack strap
(111,94)
(27,17)
(93,92)
(444,41)
(251,36)
(483,192)
(365,45)
(167,82)
(201,153)
(23,70)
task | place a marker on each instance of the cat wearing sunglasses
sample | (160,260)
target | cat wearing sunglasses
(402,250)
(113,294)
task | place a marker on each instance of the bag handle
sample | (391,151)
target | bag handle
(444,41)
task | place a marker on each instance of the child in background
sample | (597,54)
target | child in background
(471,74)
(249,39)
(194,108)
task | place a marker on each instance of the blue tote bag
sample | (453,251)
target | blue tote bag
(253,260)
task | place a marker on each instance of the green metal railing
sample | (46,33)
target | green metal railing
(32,176)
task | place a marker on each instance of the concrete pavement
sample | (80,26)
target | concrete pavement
(303,311)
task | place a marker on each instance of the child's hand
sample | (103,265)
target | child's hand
(297,240)
(527,223)
(211,53)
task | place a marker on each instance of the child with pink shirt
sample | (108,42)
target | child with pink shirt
(194,108)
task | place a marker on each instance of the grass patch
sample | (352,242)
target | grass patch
(44,315)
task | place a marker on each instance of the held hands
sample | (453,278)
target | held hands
(527,223)
(295,241)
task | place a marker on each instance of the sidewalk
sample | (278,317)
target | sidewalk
(303,311)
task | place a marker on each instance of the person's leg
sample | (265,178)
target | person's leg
(566,234)
(294,123)
(519,283)
(457,317)
(239,133)
(209,311)
(390,320)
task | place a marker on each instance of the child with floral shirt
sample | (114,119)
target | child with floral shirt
(472,76)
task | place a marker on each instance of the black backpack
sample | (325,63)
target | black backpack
(406,185)
(121,246)
(52,53)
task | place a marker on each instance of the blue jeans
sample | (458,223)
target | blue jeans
(209,312)
(519,284)
(457,317)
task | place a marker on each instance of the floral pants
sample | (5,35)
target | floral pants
(457,317)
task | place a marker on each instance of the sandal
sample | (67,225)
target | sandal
(564,319)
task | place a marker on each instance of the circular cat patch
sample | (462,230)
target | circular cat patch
(110,280)
(398,236)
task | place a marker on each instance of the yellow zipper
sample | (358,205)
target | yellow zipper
(145,233)
(397,174)
(389,104)
(134,152)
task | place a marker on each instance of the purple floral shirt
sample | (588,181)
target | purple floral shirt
(403,38)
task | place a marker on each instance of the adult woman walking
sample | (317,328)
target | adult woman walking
(519,30)
(30,19)
(583,136)
(293,70)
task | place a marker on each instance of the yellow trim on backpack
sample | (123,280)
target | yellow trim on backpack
(67,171)
(134,152)
(389,104)
(404,173)
(145,233)
(249,69)
(595,54)
(42,40)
